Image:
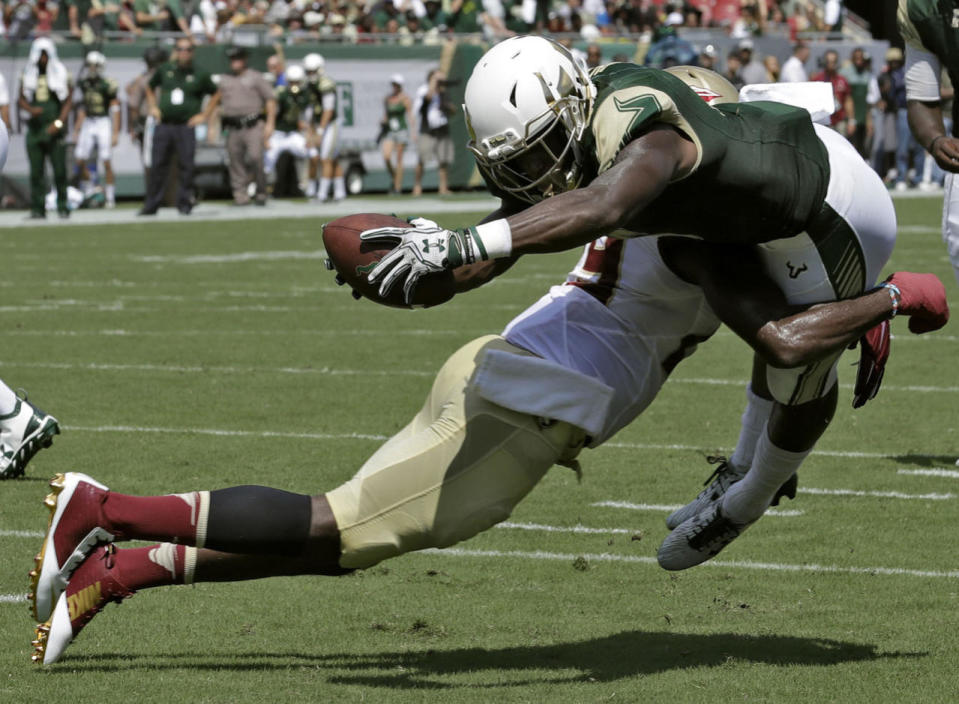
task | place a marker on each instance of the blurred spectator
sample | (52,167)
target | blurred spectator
(794,69)
(249,115)
(669,50)
(204,22)
(293,104)
(97,124)
(594,56)
(26,18)
(46,95)
(840,91)
(276,70)
(865,94)
(4,101)
(909,155)
(395,132)
(89,18)
(707,57)
(160,15)
(833,15)
(885,139)
(771,64)
(432,109)
(326,129)
(178,111)
(733,69)
(753,70)
(139,121)
(750,23)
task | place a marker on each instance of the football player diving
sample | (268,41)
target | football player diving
(567,373)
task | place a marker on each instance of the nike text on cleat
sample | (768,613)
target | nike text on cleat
(72,533)
(699,538)
(23,433)
(717,484)
(93,586)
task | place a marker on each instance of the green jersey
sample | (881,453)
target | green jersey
(933,26)
(396,116)
(181,91)
(98,93)
(761,172)
(46,100)
(859,89)
(291,107)
(323,98)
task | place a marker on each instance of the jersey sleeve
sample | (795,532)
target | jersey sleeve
(111,89)
(627,113)
(922,75)
(910,35)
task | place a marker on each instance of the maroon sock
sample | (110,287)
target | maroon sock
(173,518)
(154,566)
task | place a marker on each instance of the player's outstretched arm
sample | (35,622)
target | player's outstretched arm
(643,170)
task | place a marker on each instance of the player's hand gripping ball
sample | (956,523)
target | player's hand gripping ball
(353,259)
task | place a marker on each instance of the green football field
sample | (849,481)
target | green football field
(203,355)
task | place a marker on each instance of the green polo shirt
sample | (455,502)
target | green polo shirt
(181,91)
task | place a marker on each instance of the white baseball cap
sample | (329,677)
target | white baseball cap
(397,78)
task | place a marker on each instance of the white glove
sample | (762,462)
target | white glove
(422,249)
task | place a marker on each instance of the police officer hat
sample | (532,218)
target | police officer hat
(236,52)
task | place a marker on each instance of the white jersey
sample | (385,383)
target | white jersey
(622,317)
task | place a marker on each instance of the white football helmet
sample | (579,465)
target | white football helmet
(313,63)
(295,74)
(527,106)
(95,61)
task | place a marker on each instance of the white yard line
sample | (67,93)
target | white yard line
(198,369)
(670,508)
(221,432)
(876,494)
(20,534)
(934,472)
(726,564)
(12,598)
(854,454)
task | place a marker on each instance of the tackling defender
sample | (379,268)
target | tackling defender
(97,124)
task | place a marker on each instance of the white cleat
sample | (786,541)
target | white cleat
(717,484)
(699,538)
(72,534)
(23,433)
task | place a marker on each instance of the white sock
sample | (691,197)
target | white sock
(324,192)
(748,498)
(754,421)
(111,190)
(339,188)
(8,400)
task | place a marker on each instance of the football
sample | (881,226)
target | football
(353,259)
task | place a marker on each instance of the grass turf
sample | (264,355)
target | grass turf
(190,356)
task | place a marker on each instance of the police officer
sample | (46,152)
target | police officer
(247,102)
(182,87)
(45,93)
